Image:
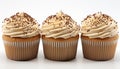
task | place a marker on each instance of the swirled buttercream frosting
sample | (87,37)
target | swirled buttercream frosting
(20,25)
(60,26)
(99,25)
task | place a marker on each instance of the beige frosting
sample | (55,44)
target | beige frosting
(20,25)
(60,26)
(99,25)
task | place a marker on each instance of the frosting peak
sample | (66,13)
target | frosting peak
(99,25)
(60,26)
(20,25)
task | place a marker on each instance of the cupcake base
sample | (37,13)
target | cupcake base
(99,49)
(60,49)
(21,48)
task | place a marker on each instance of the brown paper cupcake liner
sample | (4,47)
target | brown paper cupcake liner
(21,50)
(60,50)
(99,50)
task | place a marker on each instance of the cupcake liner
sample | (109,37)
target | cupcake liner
(99,50)
(21,50)
(60,50)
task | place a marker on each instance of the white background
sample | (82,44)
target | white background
(78,10)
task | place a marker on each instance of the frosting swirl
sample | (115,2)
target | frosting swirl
(60,26)
(20,25)
(99,25)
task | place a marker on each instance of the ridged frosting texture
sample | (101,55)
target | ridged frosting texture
(20,25)
(60,26)
(99,25)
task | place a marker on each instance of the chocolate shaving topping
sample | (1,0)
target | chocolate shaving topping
(59,17)
(88,30)
(97,18)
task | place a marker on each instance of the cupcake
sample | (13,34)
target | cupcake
(99,35)
(60,34)
(21,37)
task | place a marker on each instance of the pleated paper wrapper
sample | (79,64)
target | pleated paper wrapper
(21,50)
(100,49)
(60,50)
